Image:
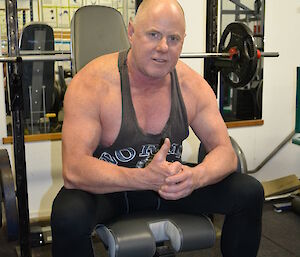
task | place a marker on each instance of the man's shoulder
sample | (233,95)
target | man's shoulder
(101,70)
(194,87)
(98,78)
(103,65)
(188,77)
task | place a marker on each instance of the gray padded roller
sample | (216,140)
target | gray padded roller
(134,235)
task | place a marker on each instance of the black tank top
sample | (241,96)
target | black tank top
(133,147)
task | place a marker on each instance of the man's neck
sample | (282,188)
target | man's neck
(139,80)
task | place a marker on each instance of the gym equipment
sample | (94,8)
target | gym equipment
(8,197)
(238,55)
(112,38)
(210,72)
(244,54)
(134,234)
(17,108)
(44,56)
(38,76)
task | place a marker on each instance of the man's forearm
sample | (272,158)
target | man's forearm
(217,165)
(97,176)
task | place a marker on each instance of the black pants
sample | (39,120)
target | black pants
(240,197)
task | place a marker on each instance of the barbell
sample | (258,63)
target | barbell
(237,55)
(236,59)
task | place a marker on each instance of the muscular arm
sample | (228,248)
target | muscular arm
(82,132)
(208,125)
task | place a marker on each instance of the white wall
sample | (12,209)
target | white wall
(281,34)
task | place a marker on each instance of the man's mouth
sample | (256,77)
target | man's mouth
(159,60)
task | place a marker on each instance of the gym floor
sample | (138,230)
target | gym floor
(280,238)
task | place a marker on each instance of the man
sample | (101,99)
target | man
(117,110)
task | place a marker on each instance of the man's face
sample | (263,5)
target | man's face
(156,42)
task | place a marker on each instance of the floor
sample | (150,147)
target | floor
(280,238)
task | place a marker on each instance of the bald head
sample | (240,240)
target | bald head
(156,37)
(163,6)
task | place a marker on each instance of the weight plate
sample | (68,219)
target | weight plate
(237,37)
(9,196)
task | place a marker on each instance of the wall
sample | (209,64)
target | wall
(43,159)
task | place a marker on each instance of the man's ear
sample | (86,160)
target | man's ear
(130,30)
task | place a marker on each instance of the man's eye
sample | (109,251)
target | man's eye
(154,34)
(173,38)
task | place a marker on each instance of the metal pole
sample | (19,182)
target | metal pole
(31,9)
(43,52)
(58,57)
(269,54)
(44,107)
(270,156)
(16,98)
(33,58)
(204,55)
(210,71)
(218,55)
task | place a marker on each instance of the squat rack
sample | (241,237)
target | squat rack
(17,108)
(14,73)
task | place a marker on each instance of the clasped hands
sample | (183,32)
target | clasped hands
(171,180)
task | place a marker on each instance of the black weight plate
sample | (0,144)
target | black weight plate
(9,196)
(244,64)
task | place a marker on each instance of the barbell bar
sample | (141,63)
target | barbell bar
(267,54)
(228,54)
(204,55)
(58,56)
(43,52)
(32,55)
(236,60)
(32,58)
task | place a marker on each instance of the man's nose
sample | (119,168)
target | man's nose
(163,45)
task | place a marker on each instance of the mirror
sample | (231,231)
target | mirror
(244,103)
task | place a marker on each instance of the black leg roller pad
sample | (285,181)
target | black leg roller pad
(134,235)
